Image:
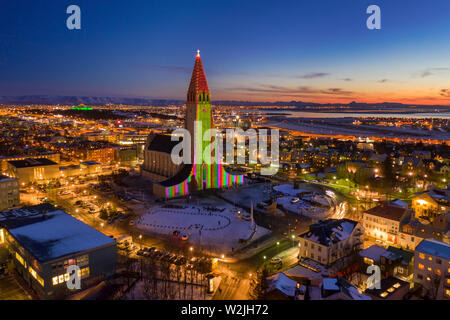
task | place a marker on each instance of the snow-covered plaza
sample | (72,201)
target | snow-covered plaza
(213,225)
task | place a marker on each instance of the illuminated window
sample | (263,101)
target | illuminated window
(20,259)
(397,285)
(85,272)
(421,266)
(438,272)
(61,278)
(55,281)
(36,276)
(421,256)
(429,269)
(430,258)
(66,277)
(384,294)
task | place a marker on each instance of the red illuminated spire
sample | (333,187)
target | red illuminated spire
(198,80)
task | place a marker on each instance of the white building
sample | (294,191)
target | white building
(9,192)
(330,240)
(383,222)
(432,268)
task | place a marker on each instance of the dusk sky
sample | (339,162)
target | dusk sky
(319,51)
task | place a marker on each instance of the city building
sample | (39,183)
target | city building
(391,288)
(55,157)
(392,261)
(33,169)
(413,231)
(287,287)
(383,222)
(336,289)
(428,205)
(9,192)
(432,268)
(205,171)
(330,240)
(44,241)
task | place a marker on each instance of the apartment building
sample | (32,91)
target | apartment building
(330,240)
(432,268)
(383,222)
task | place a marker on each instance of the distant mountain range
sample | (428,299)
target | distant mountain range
(92,100)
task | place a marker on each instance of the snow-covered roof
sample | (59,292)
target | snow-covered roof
(434,248)
(330,284)
(373,252)
(51,234)
(398,203)
(327,232)
(339,285)
(283,283)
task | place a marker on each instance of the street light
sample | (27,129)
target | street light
(140,241)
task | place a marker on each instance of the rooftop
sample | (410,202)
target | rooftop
(49,233)
(373,252)
(3,177)
(434,248)
(32,162)
(161,143)
(388,286)
(387,211)
(330,231)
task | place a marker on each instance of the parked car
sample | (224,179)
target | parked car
(189,266)
(172,258)
(276,261)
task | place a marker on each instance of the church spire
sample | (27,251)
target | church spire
(198,83)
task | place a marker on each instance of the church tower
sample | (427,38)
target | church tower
(198,109)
